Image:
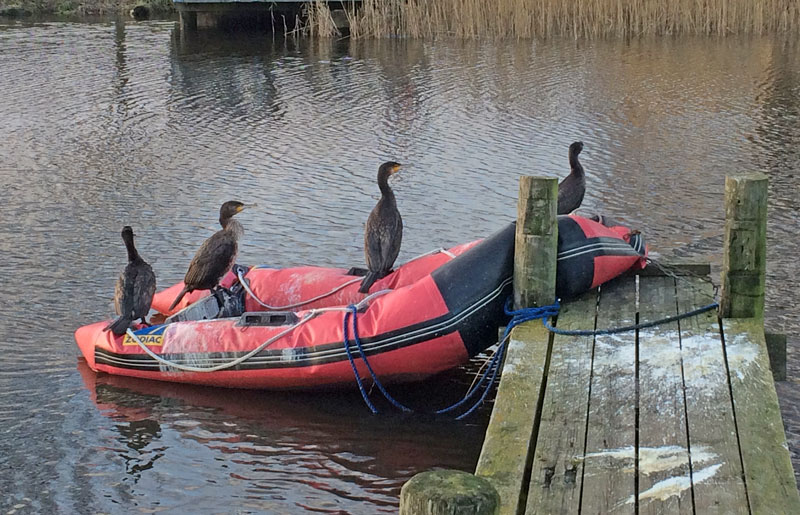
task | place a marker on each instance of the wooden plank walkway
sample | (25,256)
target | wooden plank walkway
(680,418)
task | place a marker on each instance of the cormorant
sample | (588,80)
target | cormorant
(135,287)
(573,187)
(216,255)
(384,231)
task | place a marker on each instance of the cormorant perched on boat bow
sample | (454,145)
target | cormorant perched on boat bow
(384,231)
(135,287)
(572,189)
(216,255)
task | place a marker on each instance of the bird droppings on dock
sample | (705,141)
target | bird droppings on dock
(667,488)
(653,459)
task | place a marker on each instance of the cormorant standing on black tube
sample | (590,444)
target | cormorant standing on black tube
(572,189)
(384,231)
(135,287)
(216,255)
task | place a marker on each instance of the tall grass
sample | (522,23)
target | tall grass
(575,18)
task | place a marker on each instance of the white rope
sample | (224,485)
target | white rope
(241,359)
(328,294)
(434,251)
(223,366)
(296,304)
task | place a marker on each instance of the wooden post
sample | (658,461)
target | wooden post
(536,243)
(188,20)
(448,492)
(745,247)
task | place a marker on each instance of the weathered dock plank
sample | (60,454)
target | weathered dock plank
(768,470)
(663,466)
(608,473)
(716,466)
(557,471)
(506,450)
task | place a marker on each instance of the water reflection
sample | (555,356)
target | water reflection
(278,451)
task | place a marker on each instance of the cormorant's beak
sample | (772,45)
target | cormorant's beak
(396,169)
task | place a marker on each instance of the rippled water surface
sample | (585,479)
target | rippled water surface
(113,123)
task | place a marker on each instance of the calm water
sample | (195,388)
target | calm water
(106,124)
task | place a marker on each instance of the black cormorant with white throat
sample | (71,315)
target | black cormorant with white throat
(384,231)
(572,189)
(216,255)
(135,287)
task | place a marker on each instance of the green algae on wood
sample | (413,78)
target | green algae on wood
(536,242)
(776,347)
(769,476)
(448,492)
(506,451)
(744,258)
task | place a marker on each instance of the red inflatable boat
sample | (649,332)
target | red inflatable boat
(286,329)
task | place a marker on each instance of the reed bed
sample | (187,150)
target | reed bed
(319,21)
(573,18)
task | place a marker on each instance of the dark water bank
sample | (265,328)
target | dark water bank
(82,11)
(107,124)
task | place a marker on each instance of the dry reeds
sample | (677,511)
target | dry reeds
(573,18)
(319,21)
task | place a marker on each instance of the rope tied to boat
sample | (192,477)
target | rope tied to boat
(517,317)
(352,313)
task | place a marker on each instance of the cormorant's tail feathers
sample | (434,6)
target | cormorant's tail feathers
(119,326)
(369,279)
(178,298)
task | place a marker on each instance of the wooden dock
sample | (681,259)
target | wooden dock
(279,15)
(679,418)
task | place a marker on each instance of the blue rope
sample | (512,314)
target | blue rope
(495,367)
(633,327)
(353,364)
(492,365)
(354,311)
(517,317)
